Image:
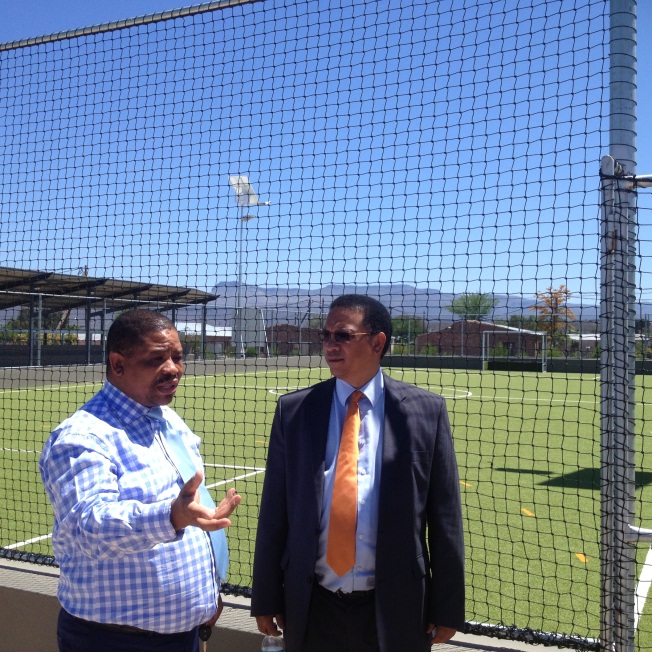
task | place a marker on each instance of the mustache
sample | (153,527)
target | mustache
(164,378)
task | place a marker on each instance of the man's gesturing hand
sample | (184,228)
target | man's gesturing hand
(187,509)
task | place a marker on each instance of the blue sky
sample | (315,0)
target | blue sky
(451,231)
(29,18)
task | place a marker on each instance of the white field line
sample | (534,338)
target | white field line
(458,393)
(280,390)
(254,471)
(527,399)
(236,468)
(193,381)
(19,450)
(20,544)
(259,388)
(237,477)
(187,380)
(42,388)
(202,380)
(643,587)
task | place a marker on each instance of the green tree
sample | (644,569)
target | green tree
(525,322)
(316,321)
(473,305)
(406,327)
(21,322)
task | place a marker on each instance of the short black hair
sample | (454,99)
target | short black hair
(375,316)
(128,331)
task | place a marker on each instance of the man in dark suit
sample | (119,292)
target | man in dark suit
(405,588)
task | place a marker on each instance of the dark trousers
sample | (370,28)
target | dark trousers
(77,635)
(341,624)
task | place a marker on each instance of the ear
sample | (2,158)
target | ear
(379,343)
(116,363)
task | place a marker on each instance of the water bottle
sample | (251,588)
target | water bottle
(273,644)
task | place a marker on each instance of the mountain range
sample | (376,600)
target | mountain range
(294,304)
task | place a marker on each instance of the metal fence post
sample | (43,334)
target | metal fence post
(617,312)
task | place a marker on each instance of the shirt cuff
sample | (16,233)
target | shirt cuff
(162,528)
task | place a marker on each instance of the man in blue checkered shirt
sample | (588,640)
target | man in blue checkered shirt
(131,537)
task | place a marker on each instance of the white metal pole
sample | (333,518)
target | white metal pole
(239,353)
(617,374)
(39,332)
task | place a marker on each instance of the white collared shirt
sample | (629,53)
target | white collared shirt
(372,418)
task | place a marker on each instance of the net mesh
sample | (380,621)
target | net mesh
(440,156)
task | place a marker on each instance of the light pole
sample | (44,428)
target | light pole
(245,196)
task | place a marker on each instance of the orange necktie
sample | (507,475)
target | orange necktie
(340,551)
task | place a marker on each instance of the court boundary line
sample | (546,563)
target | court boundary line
(255,470)
(643,588)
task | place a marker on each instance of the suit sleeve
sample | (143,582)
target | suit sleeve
(445,532)
(271,538)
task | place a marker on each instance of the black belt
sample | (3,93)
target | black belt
(123,629)
(353,596)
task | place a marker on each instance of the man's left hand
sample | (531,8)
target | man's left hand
(440,634)
(186,508)
(220,606)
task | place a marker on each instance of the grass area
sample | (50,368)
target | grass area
(528,448)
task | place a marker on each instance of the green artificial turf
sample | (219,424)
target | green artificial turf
(528,447)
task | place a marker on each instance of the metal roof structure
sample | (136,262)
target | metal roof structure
(54,292)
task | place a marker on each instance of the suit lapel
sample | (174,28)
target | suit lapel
(395,440)
(394,422)
(317,417)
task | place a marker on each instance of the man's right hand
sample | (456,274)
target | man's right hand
(187,510)
(271,625)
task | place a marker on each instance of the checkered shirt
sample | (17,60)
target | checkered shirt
(111,485)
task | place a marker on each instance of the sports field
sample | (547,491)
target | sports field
(528,448)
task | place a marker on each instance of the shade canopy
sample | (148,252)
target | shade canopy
(56,292)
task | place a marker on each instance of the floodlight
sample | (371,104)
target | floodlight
(244,192)
(245,196)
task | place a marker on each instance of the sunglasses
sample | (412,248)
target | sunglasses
(340,337)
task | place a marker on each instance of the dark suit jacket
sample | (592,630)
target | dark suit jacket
(419,554)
